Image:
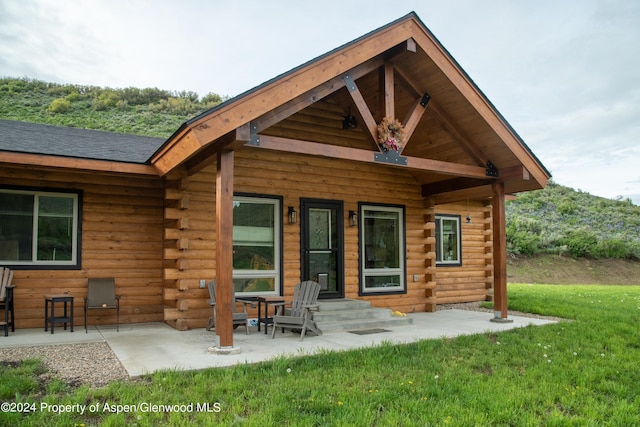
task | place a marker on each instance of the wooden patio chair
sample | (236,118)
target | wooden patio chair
(299,316)
(240,318)
(6,300)
(101,295)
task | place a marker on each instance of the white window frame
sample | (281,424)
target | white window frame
(74,261)
(372,272)
(275,274)
(440,259)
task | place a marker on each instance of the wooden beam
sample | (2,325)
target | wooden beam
(447,186)
(208,155)
(224,249)
(408,45)
(301,102)
(371,127)
(367,156)
(514,172)
(79,164)
(412,119)
(387,90)
(414,116)
(482,192)
(499,251)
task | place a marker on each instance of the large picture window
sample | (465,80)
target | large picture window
(256,245)
(448,240)
(382,249)
(39,228)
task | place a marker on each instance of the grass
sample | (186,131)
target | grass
(581,372)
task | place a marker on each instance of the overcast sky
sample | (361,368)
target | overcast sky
(564,73)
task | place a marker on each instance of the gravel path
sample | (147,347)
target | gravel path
(93,364)
(96,365)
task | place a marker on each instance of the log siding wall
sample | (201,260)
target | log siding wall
(470,281)
(121,238)
(157,236)
(189,239)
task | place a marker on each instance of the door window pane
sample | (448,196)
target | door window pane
(322,233)
(323,269)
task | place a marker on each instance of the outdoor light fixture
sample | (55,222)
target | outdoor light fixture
(349,122)
(468,219)
(353,218)
(293,215)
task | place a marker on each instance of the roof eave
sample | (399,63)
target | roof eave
(67,162)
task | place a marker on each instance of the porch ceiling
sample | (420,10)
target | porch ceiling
(459,127)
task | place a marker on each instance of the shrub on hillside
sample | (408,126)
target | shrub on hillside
(73,96)
(618,248)
(523,235)
(59,105)
(581,243)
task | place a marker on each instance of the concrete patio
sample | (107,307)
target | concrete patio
(148,347)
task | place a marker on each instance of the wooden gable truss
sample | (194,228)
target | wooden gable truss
(456,144)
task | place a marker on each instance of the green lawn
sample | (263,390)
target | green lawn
(582,372)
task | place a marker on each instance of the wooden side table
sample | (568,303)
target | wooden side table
(50,318)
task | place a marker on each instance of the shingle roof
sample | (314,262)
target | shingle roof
(63,141)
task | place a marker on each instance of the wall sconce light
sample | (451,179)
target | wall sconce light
(468,219)
(293,215)
(349,122)
(353,218)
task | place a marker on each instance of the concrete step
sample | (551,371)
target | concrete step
(342,304)
(358,314)
(353,315)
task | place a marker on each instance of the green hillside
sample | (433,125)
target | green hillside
(556,220)
(149,111)
(560,220)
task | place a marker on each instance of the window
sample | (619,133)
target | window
(39,228)
(448,243)
(382,249)
(256,245)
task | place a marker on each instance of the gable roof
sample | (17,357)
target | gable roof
(32,138)
(388,72)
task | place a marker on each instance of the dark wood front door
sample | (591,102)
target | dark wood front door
(322,244)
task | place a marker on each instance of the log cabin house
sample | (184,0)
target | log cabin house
(378,169)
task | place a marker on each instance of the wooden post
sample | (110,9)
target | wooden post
(387,89)
(224,249)
(499,253)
